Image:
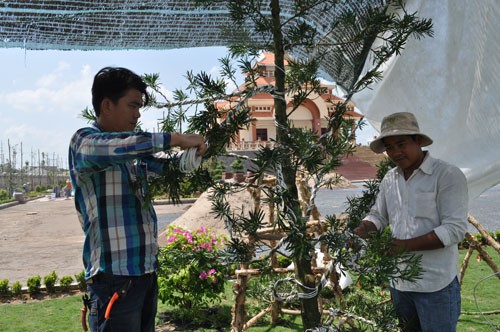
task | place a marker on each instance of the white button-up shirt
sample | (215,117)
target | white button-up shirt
(434,198)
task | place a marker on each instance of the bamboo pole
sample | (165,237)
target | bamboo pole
(491,241)
(465,263)
(255,318)
(484,255)
(239,314)
(256,272)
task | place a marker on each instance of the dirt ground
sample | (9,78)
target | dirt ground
(44,235)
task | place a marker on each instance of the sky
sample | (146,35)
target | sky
(42,93)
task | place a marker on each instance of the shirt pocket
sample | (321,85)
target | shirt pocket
(425,206)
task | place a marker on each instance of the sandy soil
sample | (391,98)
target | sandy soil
(240,200)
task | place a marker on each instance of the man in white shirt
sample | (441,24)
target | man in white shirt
(425,202)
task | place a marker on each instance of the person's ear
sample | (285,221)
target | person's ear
(106,106)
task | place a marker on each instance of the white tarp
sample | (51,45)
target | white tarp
(451,83)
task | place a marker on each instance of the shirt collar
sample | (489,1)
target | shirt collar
(426,165)
(96,126)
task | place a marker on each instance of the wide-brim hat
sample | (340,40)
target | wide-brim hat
(397,124)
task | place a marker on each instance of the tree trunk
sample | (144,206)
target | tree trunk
(310,312)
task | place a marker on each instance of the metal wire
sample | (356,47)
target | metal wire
(188,161)
(493,327)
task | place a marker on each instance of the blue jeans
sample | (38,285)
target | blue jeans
(428,312)
(134,312)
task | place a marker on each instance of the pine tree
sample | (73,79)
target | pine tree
(263,26)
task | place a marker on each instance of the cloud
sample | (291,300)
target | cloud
(17,133)
(51,79)
(57,91)
(44,116)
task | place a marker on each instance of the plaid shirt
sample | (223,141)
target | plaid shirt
(109,173)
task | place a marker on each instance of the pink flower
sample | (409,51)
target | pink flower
(189,237)
(211,271)
(207,246)
(171,239)
(203,275)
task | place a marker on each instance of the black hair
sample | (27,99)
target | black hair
(113,83)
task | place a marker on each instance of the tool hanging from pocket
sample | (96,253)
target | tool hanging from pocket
(84,309)
(122,292)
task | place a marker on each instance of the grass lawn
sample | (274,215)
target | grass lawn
(63,313)
(487,296)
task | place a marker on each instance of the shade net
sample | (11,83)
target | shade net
(153,24)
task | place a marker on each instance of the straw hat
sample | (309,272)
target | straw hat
(397,124)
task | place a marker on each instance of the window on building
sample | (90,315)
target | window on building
(262,108)
(268,73)
(261,134)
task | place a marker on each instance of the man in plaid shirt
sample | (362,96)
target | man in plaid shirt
(109,163)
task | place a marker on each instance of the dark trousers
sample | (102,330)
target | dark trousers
(134,312)
(428,312)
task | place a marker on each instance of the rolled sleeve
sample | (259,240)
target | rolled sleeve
(160,141)
(453,206)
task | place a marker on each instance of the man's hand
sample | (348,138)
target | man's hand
(397,247)
(185,141)
(429,241)
(365,229)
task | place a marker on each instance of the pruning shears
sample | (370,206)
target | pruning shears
(122,292)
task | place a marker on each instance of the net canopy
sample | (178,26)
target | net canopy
(449,81)
(164,24)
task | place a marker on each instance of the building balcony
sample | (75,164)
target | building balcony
(250,145)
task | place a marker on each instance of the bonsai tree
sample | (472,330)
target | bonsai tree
(237,166)
(296,149)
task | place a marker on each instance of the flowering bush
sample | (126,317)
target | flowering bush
(189,273)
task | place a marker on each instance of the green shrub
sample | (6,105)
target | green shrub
(4,195)
(189,188)
(34,284)
(4,287)
(237,165)
(16,289)
(82,284)
(216,169)
(50,282)
(190,274)
(65,283)
(284,261)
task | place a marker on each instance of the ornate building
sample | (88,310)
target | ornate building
(311,114)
